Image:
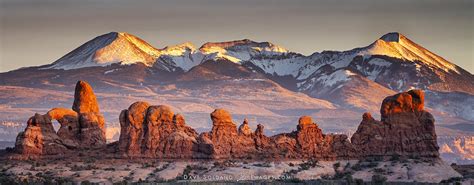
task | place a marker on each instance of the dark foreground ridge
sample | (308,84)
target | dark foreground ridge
(149,131)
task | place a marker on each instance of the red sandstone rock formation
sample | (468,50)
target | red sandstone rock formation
(406,129)
(84,98)
(39,138)
(155,131)
(81,127)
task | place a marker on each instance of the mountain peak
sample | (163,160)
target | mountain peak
(227,44)
(185,45)
(113,47)
(178,50)
(396,45)
(392,37)
(244,44)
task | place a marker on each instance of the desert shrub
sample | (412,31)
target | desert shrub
(86,182)
(123,182)
(146,165)
(341,175)
(187,170)
(359,181)
(356,167)
(453,180)
(9,149)
(372,164)
(39,174)
(395,157)
(89,160)
(295,180)
(161,168)
(347,166)
(349,179)
(379,170)
(309,164)
(336,165)
(109,169)
(7,180)
(378,179)
(265,164)
(128,178)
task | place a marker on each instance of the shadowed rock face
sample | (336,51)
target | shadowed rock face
(406,129)
(81,127)
(39,138)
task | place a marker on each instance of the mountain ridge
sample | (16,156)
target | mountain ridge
(391,44)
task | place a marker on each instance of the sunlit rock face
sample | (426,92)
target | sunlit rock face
(155,131)
(82,127)
(406,129)
(224,141)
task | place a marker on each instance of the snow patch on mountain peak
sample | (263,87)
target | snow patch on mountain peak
(336,77)
(178,50)
(241,50)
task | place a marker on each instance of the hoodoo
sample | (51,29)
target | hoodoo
(82,127)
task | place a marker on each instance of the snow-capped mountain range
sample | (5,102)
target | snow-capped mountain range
(393,61)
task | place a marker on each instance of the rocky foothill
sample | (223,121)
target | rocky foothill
(151,131)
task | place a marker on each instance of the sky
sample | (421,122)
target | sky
(38,32)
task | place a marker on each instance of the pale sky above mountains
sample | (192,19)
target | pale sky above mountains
(37,32)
